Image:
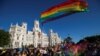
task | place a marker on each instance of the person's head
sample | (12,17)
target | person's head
(24,53)
(17,54)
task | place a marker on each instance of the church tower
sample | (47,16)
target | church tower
(36,26)
(24,26)
(36,33)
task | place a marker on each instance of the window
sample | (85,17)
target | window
(23,35)
(24,26)
(22,38)
(18,38)
(17,44)
(22,44)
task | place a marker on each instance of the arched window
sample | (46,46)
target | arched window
(18,38)
(22,38)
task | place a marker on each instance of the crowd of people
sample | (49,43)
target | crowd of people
(86,47)
(67,49)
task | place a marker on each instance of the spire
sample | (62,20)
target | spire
(36,24)
(11,25)
(51,30)
(17,24)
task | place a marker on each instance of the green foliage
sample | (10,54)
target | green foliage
(4,38)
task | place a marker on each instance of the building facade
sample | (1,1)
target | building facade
(20,36)
(54,38)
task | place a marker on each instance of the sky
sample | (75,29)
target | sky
(77,25)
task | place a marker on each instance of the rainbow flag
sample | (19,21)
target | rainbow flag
(63,9)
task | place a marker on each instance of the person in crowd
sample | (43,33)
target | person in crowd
(23,53)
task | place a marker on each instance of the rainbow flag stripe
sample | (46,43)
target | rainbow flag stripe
(63,9)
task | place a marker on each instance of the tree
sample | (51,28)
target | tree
(68,40)
(4,38)
(91,39)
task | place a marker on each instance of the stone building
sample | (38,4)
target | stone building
(20,36)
